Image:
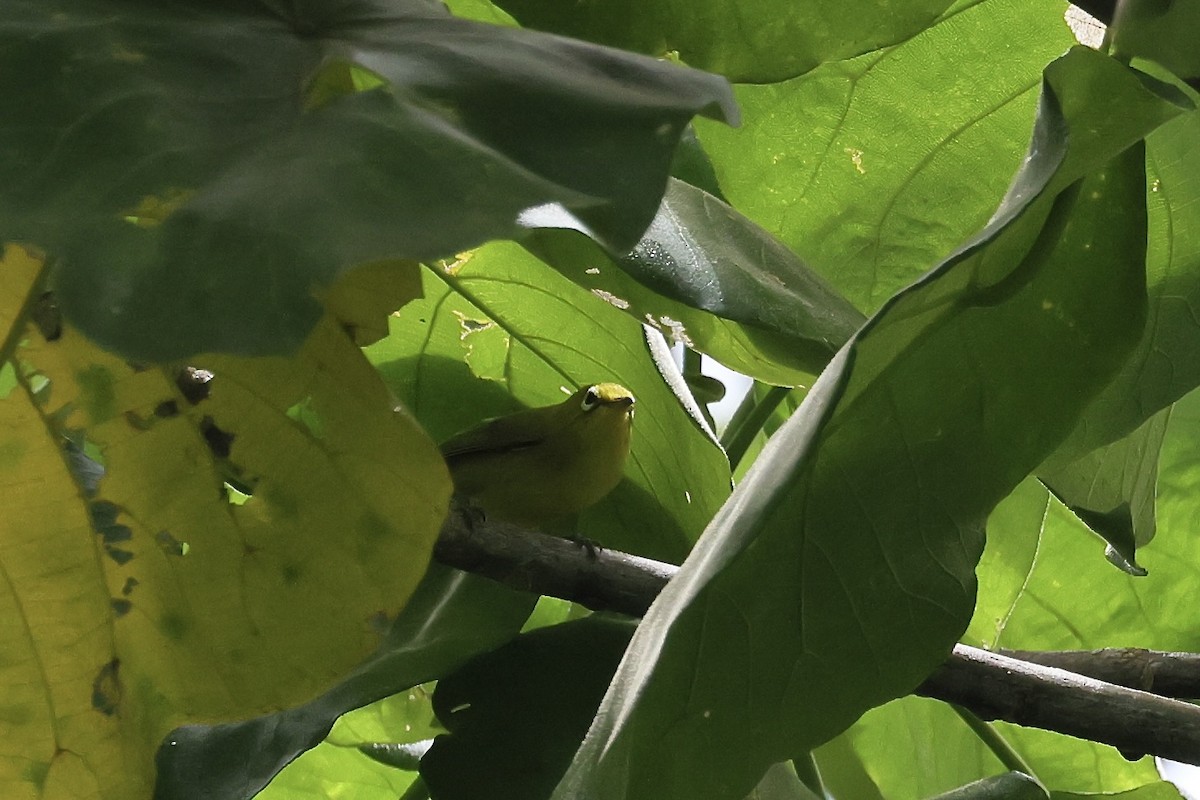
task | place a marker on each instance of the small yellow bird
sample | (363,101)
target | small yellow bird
(542,464)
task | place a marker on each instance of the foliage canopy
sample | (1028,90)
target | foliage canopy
(957,252)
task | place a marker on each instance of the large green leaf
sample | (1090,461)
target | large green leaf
(1063,594)
(517,714)
(872,170)
(762,40)
(1166,364)
(1013,540)
(498,329)
(915,748)
(842,568)
(451,617)
(56,609)
(1049,588)
(203,171)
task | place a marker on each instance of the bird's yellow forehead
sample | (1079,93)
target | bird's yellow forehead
(612,392)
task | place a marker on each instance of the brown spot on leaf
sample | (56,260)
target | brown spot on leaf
(106,688)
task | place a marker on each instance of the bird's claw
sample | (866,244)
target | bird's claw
(592,547)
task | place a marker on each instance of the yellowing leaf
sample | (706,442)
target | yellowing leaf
(144,600)
(56,643)
(19,272)
(363,297)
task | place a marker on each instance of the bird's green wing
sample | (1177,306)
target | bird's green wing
(522,429)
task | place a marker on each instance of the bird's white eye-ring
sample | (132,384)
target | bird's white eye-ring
(591,399)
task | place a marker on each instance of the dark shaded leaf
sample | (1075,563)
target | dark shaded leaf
(202,169)
(1161,30)
(700,255)
(517,715)
(1166,364)
(763,40)
(451,617)
(702,252)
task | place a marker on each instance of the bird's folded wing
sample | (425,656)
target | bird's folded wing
(504,434)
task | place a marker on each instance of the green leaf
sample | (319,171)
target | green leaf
(1160,790)
(330,771)
(761,41)
(701,258)
(842,568)
(1074,765)
(497,330)
(481,10)
(201,171)
(58,674)
(1054,591)
(517,715)
(1161,30)
(451,617)
(1014,531)
(872,170)
(702,252)
(747,350)
(1111,490)
(914,747)
(21,273)
(1166,364)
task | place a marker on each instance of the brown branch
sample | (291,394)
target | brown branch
(1167,674)
(598,578)
(992,685)
(1137,723)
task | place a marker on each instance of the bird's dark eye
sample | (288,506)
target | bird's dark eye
(591,399)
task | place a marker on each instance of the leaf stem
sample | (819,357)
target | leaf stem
(748,421)
(17,330)
(806,770)
(987,733)
(693,363)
